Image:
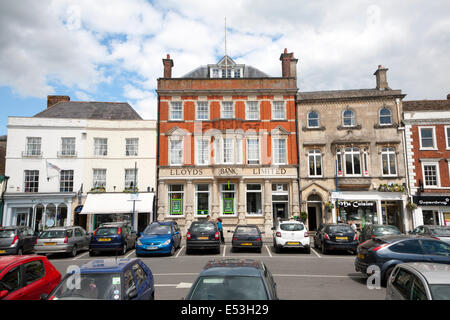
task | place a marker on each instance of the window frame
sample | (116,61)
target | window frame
(71,151)
(63,182)
(222,192)
(127,177)
(135,147)
(171,110)
(197,107)
(257,112)
(98,170)
(389,151)
(196,199)
(197,150)
(308,119)
(274,103)
(256,161)
(99,146)
(33,148)
(447,137)
(352,118)
(182,193)
(180,140)
(315,153)
(232,149)
(385,116)
(434,147)
(286,156)
(31,188)
(222,110)
(260,191)
(353,153)
(438,179)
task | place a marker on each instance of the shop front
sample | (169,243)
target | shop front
(432,210)
(238,195)
(366,207)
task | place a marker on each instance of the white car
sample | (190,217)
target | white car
(291,234)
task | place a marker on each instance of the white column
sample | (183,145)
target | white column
(241,202)
(69,213)
(379,212)
(162,196)
(405,216)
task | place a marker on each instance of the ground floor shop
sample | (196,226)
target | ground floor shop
(237,195)
(38,211)
(432,210)
(99,208)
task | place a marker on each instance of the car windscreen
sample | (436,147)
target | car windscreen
(157,229)
(203,227)
(247,230)
(5,233)
(53,234)
(102,286)
(385,230)
(291,227)
(340,229)
(443,231)
(229,288)
(440,291)
(106,231)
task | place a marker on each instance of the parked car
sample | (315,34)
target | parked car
(247,236)
(67,240)
(16,240)
(419,281)
(203,235)
(108,279)
(336,237)
(377,230)
(27,277)
(234,279)
(291,234)
(159,237)
(117,237)
(434,231)
(388,251)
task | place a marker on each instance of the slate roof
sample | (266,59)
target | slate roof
(90,110)
(346,94)
(426,105)
(203,72)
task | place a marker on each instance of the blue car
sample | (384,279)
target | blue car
(159,238)
(108,279)
(112,237)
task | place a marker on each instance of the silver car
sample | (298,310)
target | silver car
(419,281)
(62,240)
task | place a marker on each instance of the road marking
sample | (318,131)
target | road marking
(179,251)
(316,252)
(224,250)
(270,254)
(181,285)
(318,276)
(175,274)
(81,255)
(132,251)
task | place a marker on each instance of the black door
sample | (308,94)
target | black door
(279,211)
(312,223)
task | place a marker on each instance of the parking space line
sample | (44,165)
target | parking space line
(318,276)
(312,249)
(268,250)
(132,251)
(179,251)
(224,250)
(76,258)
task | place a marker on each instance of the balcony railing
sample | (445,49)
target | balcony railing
(32,154)
(67,154)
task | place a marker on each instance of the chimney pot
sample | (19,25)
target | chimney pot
(381,78)
(288,64)
(168,64)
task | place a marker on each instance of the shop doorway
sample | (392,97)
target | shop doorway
(280,210)
(312,222)
(314,211)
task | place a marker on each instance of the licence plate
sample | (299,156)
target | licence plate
(49,243)
(2,251)
(203,238)
(341,238)
(361,256)
(152,248)
(293,243)
(246,244)
(104,239)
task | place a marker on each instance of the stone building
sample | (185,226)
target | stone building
(427,130)
(351,153)
(227,144)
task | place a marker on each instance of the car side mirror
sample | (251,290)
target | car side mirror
(3,294)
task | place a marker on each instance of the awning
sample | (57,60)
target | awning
(117,203)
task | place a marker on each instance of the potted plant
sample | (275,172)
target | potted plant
(411,205)
(303,216)
(329,206)
(98,189)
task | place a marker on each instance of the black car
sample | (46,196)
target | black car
(202,235)
(336,237)
(437,232)
(112,237)
(388,251)
(377,230)
(16,240)
(234,279)
(246,236)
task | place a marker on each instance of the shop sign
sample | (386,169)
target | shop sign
(269,171)
(431,201)
(186,172)
(176,206)
(355,204)
(228,205)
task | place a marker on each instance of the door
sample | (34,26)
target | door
(34,282)
(29,238)
(408,251)
(280,210)
(21,219)
(312,219)
(436,251)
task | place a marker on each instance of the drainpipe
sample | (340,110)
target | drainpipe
(155,199)
(298,155)
(3,201)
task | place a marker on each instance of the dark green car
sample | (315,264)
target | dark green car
(377,230)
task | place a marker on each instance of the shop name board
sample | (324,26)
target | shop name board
(269,171)
(432,201)
(355,204)
(186,172)
(227,171)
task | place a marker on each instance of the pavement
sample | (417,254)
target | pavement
(298,275)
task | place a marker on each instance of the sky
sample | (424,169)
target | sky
(112,50)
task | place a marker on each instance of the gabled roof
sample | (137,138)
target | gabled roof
(90,110)
(346,94)
(426,105)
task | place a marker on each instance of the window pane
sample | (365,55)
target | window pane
(252,110)
(227,110)
(348,118)
(66,181)
(253,151)
(202,110)
(427,140)
(68,146)
(176,111)
(31,181)
(100,146)
(385,116)
(131,146)
(313,119)
(176,152)
(430,175)
(279,110)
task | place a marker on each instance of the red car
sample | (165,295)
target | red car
(27,277)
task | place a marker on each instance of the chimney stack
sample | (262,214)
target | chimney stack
(381,78)
(52,100)
(288,64)
(168,64)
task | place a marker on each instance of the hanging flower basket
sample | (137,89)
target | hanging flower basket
(130,190)
(329,206)
(98,189)
(411,205)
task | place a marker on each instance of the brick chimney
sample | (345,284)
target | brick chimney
(381,78)
(168,64)
(288,64)
(52,100)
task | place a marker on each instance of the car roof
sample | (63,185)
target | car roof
(247,226)
(434,273)
(232,267)
(398,237)
(290,221)
(106,265)
(7,260)
(10,228)
(59,228)
(163,223)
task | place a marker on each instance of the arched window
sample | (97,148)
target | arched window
(348,118)
(385,116)
(313,119)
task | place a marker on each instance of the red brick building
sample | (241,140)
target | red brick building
(427,129)
(227,144)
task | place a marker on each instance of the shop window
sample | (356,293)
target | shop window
(315,163)
(388,162)
(202,199)
(254,199)
(176,196)
(279,187)
(429,217)
(228,197)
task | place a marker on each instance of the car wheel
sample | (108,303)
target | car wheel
(91,253)
(172,251)
(73,253)
(259,250)
(277,248)
(386,276)
(308,250)
(124,249)
(323,249)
